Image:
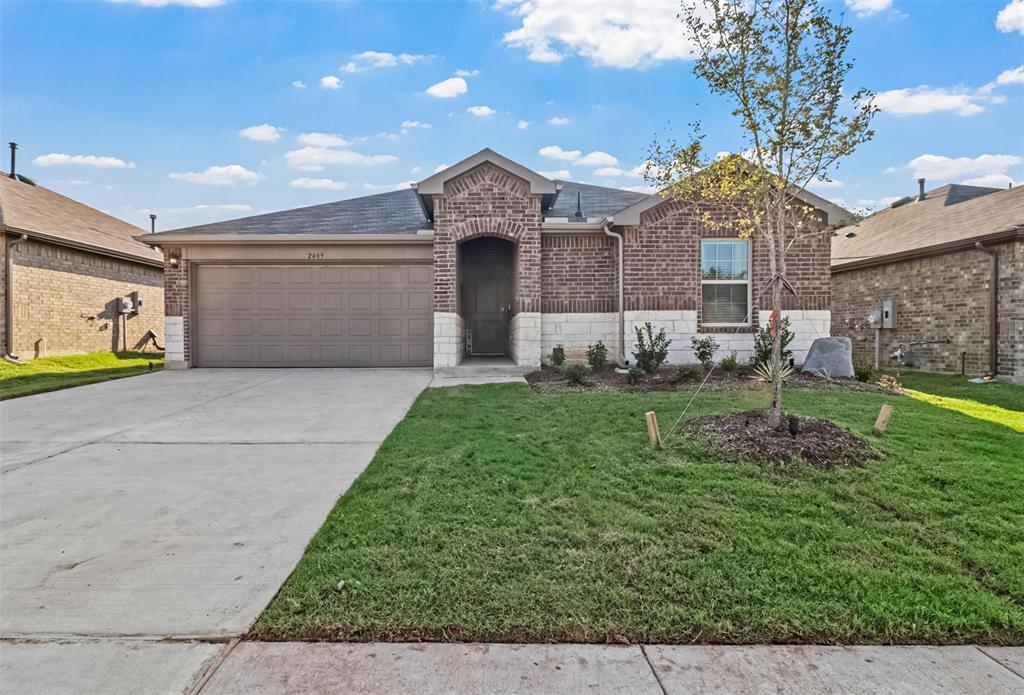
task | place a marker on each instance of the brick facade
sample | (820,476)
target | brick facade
(64,301)
(578,273)
(937,298)
(177,300)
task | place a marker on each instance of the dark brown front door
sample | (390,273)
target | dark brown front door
(488,308)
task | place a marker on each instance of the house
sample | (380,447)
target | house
(948,266)
(485,258)
(67,268)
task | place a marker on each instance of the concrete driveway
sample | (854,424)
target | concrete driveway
(142,513)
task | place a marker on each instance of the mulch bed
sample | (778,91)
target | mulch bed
(746,437)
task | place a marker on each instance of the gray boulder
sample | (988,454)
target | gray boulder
(830,355)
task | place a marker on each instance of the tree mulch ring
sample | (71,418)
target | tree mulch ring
(745,437)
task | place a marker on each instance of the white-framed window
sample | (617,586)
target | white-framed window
(725,282)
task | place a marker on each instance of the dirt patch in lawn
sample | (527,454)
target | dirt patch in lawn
(551,380)
(746,437)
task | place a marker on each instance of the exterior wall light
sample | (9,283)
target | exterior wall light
(173,258)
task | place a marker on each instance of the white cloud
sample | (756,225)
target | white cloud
(227,175)
(261,133)
(820,183)
(1011,17)
(86,160)
(866,8)
(467,73)
(481,111)
(641,188)
(318,184)
(441,167)
(322,140)
(558,120)
(316,158)
(165,3)
(330,82)
(992,181)
(931,166)
(446,89)
(597,158)
(373,60)
(73,182)
(612,33)
(556,174)
(557,153)
(298,84)
(877,203)
(924,99)
(206,208)
(1014,76)
(411,125)
(609,171)
(636,172)
(522,125)
(416,169)
(387,186)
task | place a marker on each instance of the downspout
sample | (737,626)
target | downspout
(9,294)
(993,309)
(620,358)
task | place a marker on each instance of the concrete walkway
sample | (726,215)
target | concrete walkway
(455,669)
(140,513)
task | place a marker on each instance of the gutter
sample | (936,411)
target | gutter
(620,358)
(993,308)
(9,294)
(98,250)
(937,250)
(423,237)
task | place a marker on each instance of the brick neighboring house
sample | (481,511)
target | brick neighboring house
(65,267)
(485,258)
(923,255)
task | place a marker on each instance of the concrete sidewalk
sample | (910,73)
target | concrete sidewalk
(252,668)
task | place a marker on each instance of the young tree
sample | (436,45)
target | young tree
(782,64)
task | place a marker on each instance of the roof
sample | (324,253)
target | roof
(435,184)
(396,212)
(52,217)
(595,201)
(950,216)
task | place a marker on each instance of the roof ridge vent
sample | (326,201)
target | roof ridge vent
(901,202)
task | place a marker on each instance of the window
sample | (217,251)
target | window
(725,282)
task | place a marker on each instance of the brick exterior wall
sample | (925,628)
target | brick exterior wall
(578,273)
(64,301)
(177,298)
(937,298)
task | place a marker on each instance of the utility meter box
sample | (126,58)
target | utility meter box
(888,313)
(875,318)
(130,304)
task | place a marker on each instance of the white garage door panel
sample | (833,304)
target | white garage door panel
(314,316)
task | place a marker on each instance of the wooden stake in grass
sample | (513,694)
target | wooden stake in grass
(883,418)
(652,429)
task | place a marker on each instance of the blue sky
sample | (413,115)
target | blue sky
(210,109)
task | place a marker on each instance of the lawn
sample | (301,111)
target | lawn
(52,373)
(495,513)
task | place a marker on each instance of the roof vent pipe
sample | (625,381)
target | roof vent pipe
(579,208)
(920,189)
(14,148)
(152,223)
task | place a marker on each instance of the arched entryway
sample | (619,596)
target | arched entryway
(486,299)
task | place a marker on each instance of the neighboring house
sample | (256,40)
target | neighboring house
(932,258)
(485,258)
(66,267)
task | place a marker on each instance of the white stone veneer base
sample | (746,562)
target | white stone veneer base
(806,325)
(525,338)
(174,342)
(449,340)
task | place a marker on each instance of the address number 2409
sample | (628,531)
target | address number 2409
(314,255)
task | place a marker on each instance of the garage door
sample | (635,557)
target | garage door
(314,316)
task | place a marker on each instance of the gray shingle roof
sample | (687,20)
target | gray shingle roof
(596,201)
(948,215)
(396,212)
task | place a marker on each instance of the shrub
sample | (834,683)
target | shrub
(728,363)
(863,371)
(636,375)
(597,355)
(763,342)
(575,373)
(558,356)
(764,372)
(652,350)
(704,349)
(687,372)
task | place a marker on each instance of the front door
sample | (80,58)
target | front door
(487,302)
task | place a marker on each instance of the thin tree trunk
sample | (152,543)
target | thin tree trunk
(776,254)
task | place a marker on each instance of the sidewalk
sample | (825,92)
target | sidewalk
(455,669)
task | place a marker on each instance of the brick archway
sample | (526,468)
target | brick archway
(499,227)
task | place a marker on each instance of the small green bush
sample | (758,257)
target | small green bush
(636,375)
(863,371)
(597,355)
(558,356)
(575,373)
(687,372)
(651,350)
(763,342)
(728,363)
(704,349)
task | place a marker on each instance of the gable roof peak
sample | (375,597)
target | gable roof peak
(435,184)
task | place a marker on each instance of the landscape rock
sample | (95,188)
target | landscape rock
(833,356)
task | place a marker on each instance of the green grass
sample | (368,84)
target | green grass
(495,513)
(52,373)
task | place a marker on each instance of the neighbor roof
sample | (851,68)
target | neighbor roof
(595,201)
(950,216)
(49,216)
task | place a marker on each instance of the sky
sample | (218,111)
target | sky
(203,110)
